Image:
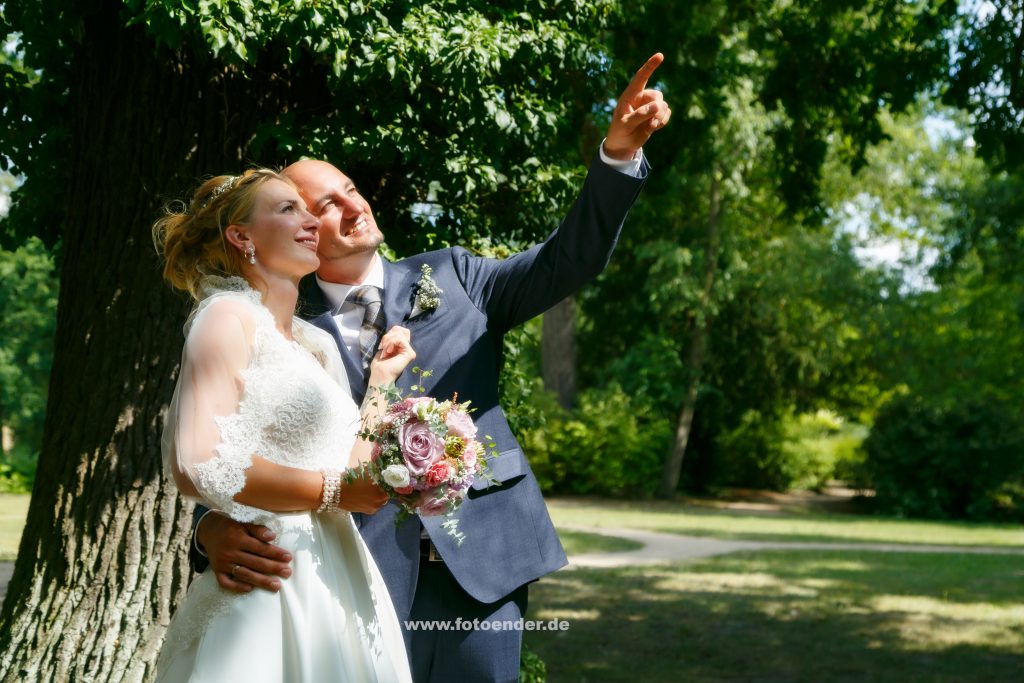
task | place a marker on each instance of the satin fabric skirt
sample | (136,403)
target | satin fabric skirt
(332,620)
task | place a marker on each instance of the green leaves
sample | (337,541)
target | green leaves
(28,305)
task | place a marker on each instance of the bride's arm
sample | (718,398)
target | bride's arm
(279,488)
(212,441)
(213,446)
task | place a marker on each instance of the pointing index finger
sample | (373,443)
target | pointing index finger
(639,81)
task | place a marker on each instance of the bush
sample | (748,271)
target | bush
(18,470)
(608,445)
(964,461)
(821,446)
(752,455)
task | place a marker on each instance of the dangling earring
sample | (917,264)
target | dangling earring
(250,253)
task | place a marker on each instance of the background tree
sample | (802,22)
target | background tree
(455,119)
(797,76)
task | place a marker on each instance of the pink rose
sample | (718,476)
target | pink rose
(460,424)
(431,506)
(421,448)
(439,473)
(405,490)
(469,455)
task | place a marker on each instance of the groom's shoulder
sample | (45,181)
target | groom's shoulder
(436,258)
(457,262)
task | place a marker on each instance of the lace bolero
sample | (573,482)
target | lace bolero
(246,390)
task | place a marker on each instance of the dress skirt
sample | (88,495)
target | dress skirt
(332,620)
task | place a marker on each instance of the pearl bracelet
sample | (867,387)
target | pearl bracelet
(330,497)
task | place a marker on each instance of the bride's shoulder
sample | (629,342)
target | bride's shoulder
(224,320)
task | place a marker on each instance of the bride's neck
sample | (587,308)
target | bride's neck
(280,296)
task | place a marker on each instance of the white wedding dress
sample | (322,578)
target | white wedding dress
(246,390)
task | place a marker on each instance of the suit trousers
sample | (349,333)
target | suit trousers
(470,641)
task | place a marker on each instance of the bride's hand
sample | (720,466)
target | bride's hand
(394,353)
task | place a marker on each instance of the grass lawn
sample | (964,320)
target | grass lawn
(13,510)
(787,617)
(578,543)
(679,518)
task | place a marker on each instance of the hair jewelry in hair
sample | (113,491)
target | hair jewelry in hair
(219,190)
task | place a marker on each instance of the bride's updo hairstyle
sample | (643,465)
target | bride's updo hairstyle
(190,237)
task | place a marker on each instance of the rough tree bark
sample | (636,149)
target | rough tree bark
(101,563)
(697,351)
(558,351)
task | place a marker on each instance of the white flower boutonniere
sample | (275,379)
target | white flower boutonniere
(428,294)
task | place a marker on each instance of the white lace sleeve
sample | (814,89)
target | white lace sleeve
(210,436)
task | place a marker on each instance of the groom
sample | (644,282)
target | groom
(457,333)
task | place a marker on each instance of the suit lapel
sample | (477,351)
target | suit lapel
(398,284)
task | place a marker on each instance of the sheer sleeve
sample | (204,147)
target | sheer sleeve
(209,438)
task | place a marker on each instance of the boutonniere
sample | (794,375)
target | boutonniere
(427,293)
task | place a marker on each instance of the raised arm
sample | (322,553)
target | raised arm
(527,284)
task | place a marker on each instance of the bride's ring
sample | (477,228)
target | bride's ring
(233,568)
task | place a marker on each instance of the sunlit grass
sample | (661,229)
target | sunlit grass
(13,510)
(579,543)
(684,519)
(775,616)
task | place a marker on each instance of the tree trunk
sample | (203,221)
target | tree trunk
(697,352)
(558,351)
(102,559)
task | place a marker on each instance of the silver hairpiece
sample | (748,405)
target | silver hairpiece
(219,190)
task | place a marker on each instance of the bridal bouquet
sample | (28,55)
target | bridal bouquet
(426,455)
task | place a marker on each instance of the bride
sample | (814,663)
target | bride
(261,426)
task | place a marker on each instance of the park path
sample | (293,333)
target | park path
(661,547)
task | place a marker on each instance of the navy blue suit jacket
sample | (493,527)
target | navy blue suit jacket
(509,537)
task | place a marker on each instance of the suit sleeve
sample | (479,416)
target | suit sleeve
(197,560)
(513,290)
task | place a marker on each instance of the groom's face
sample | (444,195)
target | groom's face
(347,226)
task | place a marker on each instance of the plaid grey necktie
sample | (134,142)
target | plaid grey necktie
(372,328)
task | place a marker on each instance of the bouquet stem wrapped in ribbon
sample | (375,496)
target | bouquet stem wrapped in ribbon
(426,454)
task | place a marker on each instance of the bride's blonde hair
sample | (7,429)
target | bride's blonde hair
(190,237)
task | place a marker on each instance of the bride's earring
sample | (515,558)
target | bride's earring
(250,253)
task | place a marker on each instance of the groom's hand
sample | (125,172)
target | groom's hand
(241,555)
(639,112)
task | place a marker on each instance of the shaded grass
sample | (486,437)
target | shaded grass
(680,518)
(580,542)
(788,616)
(13,511)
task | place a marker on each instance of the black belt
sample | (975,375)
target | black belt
(428,551)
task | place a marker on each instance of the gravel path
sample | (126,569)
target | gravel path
(661,547)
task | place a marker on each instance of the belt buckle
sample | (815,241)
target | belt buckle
(432,554)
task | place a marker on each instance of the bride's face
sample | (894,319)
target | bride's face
(283,232)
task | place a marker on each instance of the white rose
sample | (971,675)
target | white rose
(396,476)
(422,410)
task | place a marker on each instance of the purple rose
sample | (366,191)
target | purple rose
(460,424)
(421,448)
